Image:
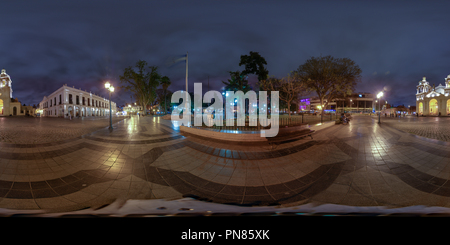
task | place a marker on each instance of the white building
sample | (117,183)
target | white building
(431,100)
(75,102)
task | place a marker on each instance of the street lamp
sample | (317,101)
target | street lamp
(379,95)
(376,101)
(110,88)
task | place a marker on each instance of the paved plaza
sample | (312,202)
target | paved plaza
(429,127)
(360,164)
(37,130)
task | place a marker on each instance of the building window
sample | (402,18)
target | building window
(60,99)
(70,99)
(89,102)
(78,100)
(84,102)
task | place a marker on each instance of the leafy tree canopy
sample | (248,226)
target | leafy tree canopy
(254,64)
(141,82)
(329,77)
(290,88)
(237,82)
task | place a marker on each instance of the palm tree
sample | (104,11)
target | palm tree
(165,82)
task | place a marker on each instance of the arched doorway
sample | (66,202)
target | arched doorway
(448,107)
(420,108)
(70,111)
(14,111)
(433,107)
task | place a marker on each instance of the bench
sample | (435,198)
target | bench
(284,136)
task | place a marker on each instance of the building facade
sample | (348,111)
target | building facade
(69,101)
(133,109)
(356,103)
(8,105)
(362,102)
(431,100)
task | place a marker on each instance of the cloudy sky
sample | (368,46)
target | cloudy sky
(45,44)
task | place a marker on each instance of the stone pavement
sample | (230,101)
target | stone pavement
(37,130)
(429,127)
(360,164)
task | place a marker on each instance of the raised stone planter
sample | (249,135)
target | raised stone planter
(237,137)
(286,130)
(241,136)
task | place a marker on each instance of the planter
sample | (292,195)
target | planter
(287,130)
(236,138)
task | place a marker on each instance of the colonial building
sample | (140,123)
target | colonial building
(69,101)
(431,100)
(8,105)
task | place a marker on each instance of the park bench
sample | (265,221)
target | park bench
(289,135)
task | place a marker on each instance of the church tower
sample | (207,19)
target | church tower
(423,87)
(5,93)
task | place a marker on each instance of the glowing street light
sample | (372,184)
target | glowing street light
(110,88)
(379,95)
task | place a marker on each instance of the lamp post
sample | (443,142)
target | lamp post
(379,95)
(110,88)
(351,104)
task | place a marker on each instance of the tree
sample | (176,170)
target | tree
(290,88)
(237,82)
(254,64)
(142,83)
(165,82)
(162,97)
(329,77)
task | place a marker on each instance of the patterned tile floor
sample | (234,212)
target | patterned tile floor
(360,164)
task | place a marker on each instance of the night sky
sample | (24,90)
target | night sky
(45,44)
